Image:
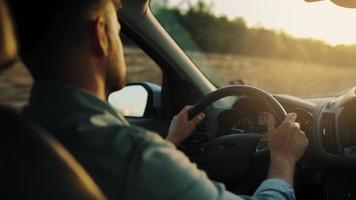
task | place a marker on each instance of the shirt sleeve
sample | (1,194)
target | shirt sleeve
(163,168)
(274,189)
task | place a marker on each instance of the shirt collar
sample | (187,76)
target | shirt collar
(50,93)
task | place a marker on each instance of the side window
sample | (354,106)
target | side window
(138,98)
(140,67)
(16,82)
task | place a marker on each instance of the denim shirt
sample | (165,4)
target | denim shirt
(127,162)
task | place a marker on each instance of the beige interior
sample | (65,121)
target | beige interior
(8,46)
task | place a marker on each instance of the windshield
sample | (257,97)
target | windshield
(282,46)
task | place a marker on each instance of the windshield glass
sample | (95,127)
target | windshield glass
(282,46)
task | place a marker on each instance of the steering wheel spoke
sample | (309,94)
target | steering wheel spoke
(262,146)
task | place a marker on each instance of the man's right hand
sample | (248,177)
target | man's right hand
(287,144)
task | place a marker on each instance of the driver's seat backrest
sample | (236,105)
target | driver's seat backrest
(34,165)
(8,45)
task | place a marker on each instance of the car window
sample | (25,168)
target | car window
(140,67)
(282,46)
(16,82)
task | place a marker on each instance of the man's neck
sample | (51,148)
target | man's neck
(89,82)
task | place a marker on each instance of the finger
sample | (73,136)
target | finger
(291,117)
(197,119)
(185,110)
(295,129)
(303,138)
(306,141)
(292,125)
(271,123)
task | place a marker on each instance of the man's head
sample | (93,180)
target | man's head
(65,39)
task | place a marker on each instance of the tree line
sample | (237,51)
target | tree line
(197,28)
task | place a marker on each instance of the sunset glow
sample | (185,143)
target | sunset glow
(320,20)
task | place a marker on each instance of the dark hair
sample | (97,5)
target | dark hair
(48,29)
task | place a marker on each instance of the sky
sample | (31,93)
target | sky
(319,20)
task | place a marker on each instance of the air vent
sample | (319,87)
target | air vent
(328,133)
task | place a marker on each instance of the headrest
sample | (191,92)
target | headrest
(8,45)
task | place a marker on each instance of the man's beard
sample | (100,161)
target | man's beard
(114,80)
(113,83)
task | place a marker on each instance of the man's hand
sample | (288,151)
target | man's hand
(181,127)
(287,145)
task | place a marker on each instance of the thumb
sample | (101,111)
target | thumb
(291,117)
(197,119)
(271,123)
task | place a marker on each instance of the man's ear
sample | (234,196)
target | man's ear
(99,36)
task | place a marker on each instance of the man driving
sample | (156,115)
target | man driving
(74,53)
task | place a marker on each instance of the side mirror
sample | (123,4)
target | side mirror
(137,100)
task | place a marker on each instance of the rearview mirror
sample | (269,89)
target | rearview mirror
(342,3)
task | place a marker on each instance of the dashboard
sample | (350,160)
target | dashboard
(327,171)
(247,115)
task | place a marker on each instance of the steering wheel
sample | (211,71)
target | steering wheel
(229,157)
